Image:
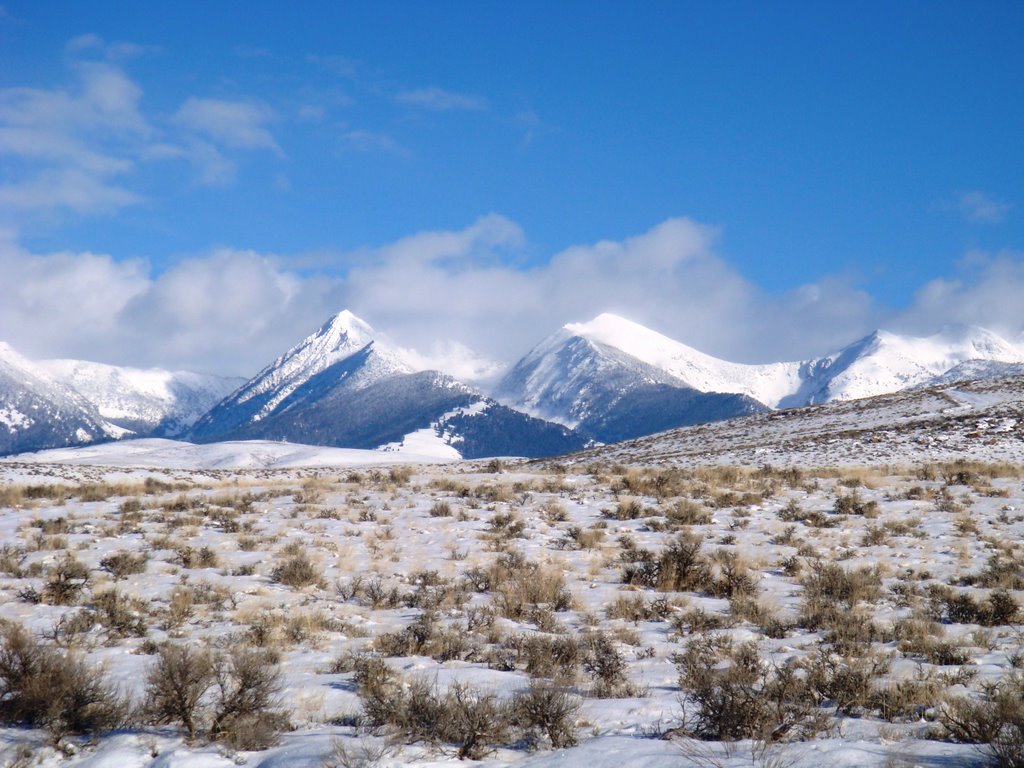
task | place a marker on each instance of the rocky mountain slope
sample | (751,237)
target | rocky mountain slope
(617,379)
(343,387)
(36,410)
(150,402)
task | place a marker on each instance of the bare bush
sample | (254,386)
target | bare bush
(246,714)
(176,684)
(547,711)
(41,686)
(997,721)
(65,581)
(745,698)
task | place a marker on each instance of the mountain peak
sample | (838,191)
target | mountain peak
(345,328)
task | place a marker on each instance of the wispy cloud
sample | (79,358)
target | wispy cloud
(441,100)
(84,138)
(339,66)
(975,205)
(373,141)
(235,124)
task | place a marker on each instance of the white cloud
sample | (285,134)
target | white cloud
(234,124)
(441,100)
(468,287)
(227,312)
(978,206)
(987,293)
(462,299)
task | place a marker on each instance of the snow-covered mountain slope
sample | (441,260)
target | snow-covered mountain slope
(595,374)
(146,402)
(615,380)
(886,362)
(342,353)
(342,387)
(765,383)
(980,420)
(38,411)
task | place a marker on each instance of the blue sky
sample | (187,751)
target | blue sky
(758,180)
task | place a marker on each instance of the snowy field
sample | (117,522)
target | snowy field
(845,596)
(498,580)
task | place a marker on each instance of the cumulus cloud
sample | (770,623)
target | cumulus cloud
(469,287)
(987,292)
(461,300)
(441,100)
(228,311)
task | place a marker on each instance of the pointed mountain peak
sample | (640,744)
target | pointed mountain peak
(343,329)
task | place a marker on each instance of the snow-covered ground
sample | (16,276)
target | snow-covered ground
(392,544)
(982,418)
(156,453)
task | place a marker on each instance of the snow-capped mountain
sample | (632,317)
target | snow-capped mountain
(615,378)
(145,401)
(341,355)
(343,387)
(37,411)
(885,362)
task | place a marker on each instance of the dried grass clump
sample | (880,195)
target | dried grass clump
(521,587)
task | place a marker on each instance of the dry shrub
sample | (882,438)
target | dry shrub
(122,564)
(683,567)
(737,696)
(635,608)
(603,661)
(521,587)
(65,581)
(441,509)
(687,512)
(475,722)
(997,721)
(41,686)
(246,714)
(122,615)
(831,581)
(547,711)
(296,570)
(846,682)
(424,637)
(853,504)
(176,684)
(999,608)
(554,657)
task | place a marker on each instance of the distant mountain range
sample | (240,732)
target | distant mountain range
(611,371)
(597,382)
(343,387)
